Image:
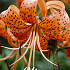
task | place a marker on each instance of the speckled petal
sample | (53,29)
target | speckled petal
(54,23)
(28,11)
(62,36)
(3,31)
(43,7)
(67,51)
(68,25)
(22,37)
(12,19)
(43,41)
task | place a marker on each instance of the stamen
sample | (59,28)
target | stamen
(33,68)
(25,68)
(8,66)
(38,43)
(13,55)
(31,50)
(45,50)
(34,51)
(7,56)
(21,56)
(23,59)
(15,65)
(21,46)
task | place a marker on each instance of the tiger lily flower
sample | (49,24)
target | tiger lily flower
(29,29)
(67,43)
(5,32)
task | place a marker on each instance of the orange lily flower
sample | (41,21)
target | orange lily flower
(5,32)
(27,28)
(67,43)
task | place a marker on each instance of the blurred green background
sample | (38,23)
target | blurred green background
(40,62)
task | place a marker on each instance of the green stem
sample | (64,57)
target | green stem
(55,59)
(55,54)
(61,48)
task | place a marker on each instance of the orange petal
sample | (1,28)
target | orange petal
(28,11)
(19,3)
(22,37)
(43,7)
(43,41)
(3,31)
(68,25)
(58,20)
(11,35)
(60,45)
(55,4)
(68,1)
(67,51)
(54,23)
(12,19)
(62,36)
(53,11)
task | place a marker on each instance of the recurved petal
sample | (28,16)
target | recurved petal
(68,25)
(19,3)
(22,37)
(62,36)
(43,41)
(12,19)
(55,4)
(55,22)
(43,7)
(28,11)
(3,31)
(67,51)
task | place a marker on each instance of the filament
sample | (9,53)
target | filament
(7,56)
(21,46)
(31,50)
(38,43)
(13,55)
(22,55)
(34,51)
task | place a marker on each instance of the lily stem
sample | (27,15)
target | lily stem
(55,54)
(55,59)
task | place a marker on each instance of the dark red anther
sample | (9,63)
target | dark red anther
(8,65)
(7,62)
(0,48)
(58,66)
